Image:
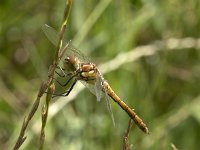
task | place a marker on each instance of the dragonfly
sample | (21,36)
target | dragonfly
(77,67)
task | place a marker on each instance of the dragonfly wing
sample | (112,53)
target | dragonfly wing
(51,34)
(109,105)
(98,88)
(53,37)
(92,89)
(99,94)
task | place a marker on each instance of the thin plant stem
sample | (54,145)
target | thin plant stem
(51,87)
(44,115)
(26,121)
(62,30)
(46,85)
(126,146)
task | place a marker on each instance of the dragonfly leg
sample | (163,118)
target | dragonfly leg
(67,81)
(61,75)
(70,89)
(67,92)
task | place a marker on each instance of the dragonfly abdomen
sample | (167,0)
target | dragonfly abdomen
(125,107)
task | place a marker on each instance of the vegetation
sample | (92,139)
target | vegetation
(147,50)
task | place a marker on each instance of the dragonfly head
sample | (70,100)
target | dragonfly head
(70,63)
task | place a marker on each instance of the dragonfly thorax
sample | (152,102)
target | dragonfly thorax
(88,70)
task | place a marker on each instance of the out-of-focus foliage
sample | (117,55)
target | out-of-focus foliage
(162,88)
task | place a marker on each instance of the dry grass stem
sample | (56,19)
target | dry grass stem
(47,85)
(126,145)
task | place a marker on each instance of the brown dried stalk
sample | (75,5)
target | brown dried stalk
(126,145)
(46,85)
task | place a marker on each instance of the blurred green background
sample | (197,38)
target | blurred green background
(163,87)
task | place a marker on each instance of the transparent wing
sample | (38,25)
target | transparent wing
(108,104)
(53,37)
(51,34)
(93,90)
(96,86)
(97,89)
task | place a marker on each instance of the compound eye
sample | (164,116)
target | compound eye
(72,59)
(70,63)
(67,59)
